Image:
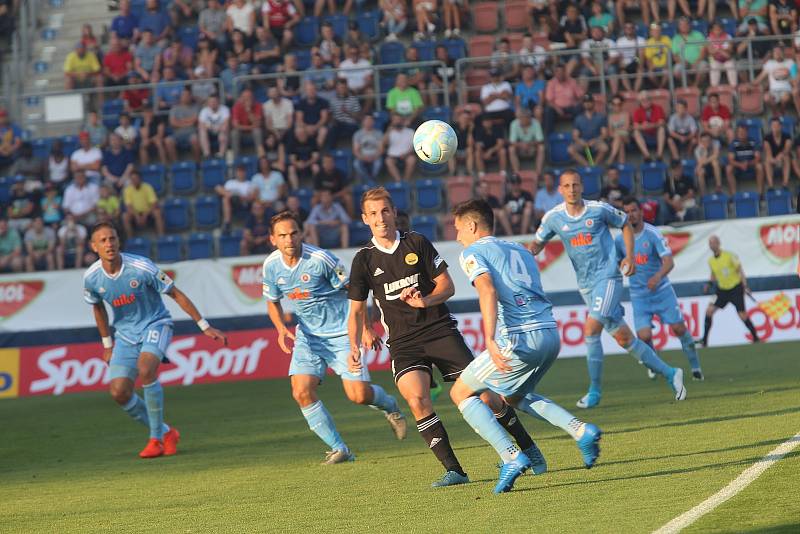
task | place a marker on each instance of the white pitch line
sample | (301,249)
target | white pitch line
(738,484)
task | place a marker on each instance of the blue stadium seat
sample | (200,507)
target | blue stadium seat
(669,28)
(381,119)
(184,177)
(745,204)
(392,52)
(303,59)
(359,234)
(213,173)
(386,81)
(230,244)
(140,246)
(557,145)
(429,194)
(456,48)
(401,195)
(426,225)
(200,246)
(176,214)
(369,24)
(642,31)
(779,202)
(206,211)
(358,190)
(788,124)
(441,113)
(592,178)
(627,175)
(111,111)
(169,248)
(304,195)
(5,189)
(154,174)
(426,50)
(729,25)
(654,175)
(715,207)
(754,130)
(688,166)
(306,31)
(70,144)
(343,158)
(41,147)
(250,163)
(189,36)
(701,26)
(431,169)
(339,23)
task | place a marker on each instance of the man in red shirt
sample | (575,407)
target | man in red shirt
(649,127)
(247,118)
(716,119)
(135,99)
(117,63)
(280,16)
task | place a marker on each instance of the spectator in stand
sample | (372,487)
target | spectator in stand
(720,51)
(184,12)
(750,39)
(71,248)
(562,98)
(619,125)
(98,133)
(687,52)
(405,101)
(290,81)
(255,237)
(266,52)
(270,185)
(574,26)
(753,9)
(782,17)
(490,144)
(10,140)
(80,199)
(547,197)
(82,69)
(147,57)
(367,151)
(497,98)
(355,36)
(125,25)
(425,12)
(40,244)
(328,46)
(679,198)
(744,162)
(168,92)
(323,78)
(483,192)
(247,117)
(777,153)
(329,223)
(346,111)
(356,70)
(50,205)
(86,158)
(682,131)
(22,206)
(152,134)
(278,113)
(395,17)
(589,134)
(183,121)
(303,157)
(656,55)
(502,60)
(58,165)
(329,178)
(241,16)
(29,166)
(238,195)
(398,146)
(706,9)
(418,77)
(630,48)
(157,21)
(117,63)
(452,18)
(178,57)
(601,19)
(622,5)
(312,114)
(117,163)
(135,99)
(280,16)
(108,206)
(11,259)
(127,131)
(529,92)
(275,151)
(613,192)
(141,205)
(518,206)
(464,127)
(214,126)
(212,21)
(207,55)
(300,213)
(238,48)
(706,156)
(526,140)
(649,127)
(599,53)
(781,73)
(716,119)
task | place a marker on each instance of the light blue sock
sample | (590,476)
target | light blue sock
(594,361)
(689,349)
(154,400)
(321,423)
(551,412)
(483,421)
(642,352)
(137,410)
(382,400)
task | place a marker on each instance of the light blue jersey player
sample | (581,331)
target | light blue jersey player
(583,227)
(132,286)
(651,291)
(522,342)
(315,281)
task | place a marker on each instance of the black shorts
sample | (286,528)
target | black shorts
(449,353)
(734,296)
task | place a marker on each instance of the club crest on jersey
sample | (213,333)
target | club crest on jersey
(305,277)
(134,283)
(589,223)
(411,258)
(646,244)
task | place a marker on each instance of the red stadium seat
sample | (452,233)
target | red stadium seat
(496,183)
(663,99)
(725,93)
(515,40)
(600,102)
(485,17)
(751,99)
(630,100)
(481,46)
(475,79)
(692,97)
(529,181)
(516,14)
(448,230)
(459,189)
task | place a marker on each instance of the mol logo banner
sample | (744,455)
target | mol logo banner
(248,279)
(16,295)
(781,241)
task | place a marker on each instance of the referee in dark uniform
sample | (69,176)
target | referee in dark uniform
(410,284)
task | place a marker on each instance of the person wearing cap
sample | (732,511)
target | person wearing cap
(526,140)
(656,55)
(518,206)
(598,53)
(589,134)
(82,69)
(87,158)
(237,195)
(687,52)
(497,98)
(117,63)
(682,131)
(562,98)
(648,127)
(781,73)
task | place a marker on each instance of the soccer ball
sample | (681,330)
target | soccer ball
(435,142)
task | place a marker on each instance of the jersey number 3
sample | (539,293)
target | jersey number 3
(518,268)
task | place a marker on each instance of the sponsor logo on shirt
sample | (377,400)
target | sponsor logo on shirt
(641,259)
(378,272)
(164,277)
(392,287)
(123,300)
(411,259)
(298,294)
(581,240)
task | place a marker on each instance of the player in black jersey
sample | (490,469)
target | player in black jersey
(410,284)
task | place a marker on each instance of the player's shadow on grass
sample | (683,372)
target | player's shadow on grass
(742,393)
(704,420)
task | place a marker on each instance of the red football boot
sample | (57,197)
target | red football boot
(154,449)
(171,440)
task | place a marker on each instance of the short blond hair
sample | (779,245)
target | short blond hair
(376,193)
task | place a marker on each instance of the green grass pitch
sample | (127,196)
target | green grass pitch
(248,463)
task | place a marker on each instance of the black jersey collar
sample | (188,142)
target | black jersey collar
(394,246)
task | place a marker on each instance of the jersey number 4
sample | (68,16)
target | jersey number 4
(518,268)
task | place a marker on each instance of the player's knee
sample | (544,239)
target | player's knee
(302,396)
(419,405)
(623,336)
(359,395)
(678,329)
(121,393)
(645,336)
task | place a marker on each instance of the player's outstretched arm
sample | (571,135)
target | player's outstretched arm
(487,298)
(536,247)
(188,306)
(355,326)
(444,290)
(275,312)
(627,265)
(101,319)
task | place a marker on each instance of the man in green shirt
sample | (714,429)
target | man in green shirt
(526,140)
(10,249)
(404,100)
(688,50)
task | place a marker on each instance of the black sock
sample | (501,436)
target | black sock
(433,432)
(508,419)
(706,330)
(749,324)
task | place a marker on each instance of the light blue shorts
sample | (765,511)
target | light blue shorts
(314,355)
(125,356)
(663,303)
(605,304)
(532,354)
